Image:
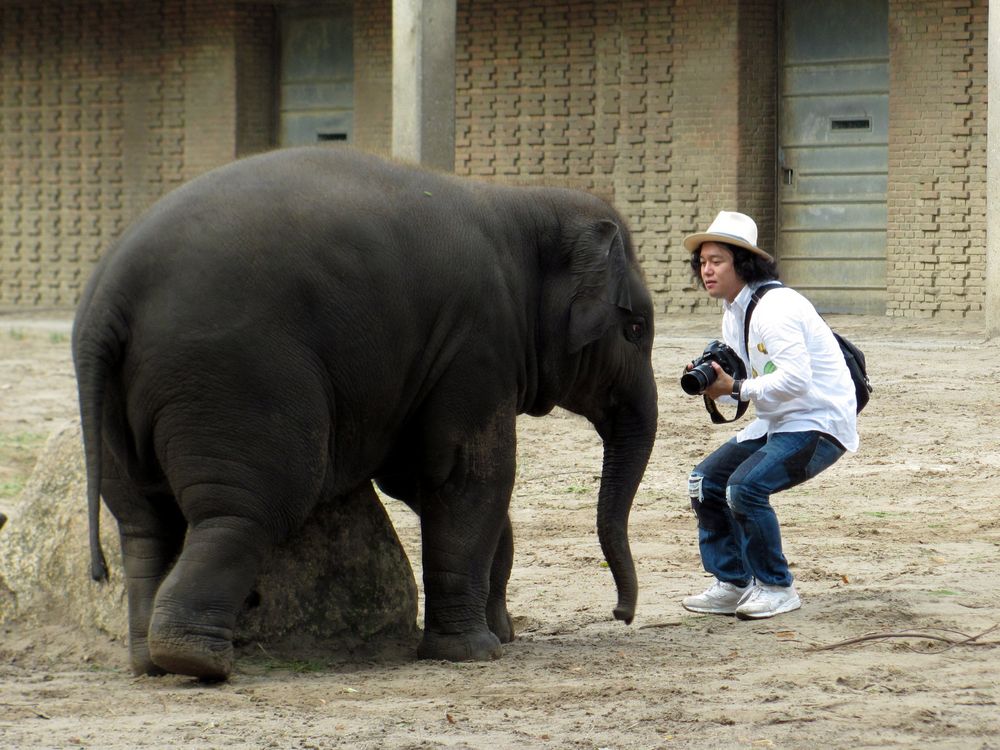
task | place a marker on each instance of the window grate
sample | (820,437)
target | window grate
(851,123)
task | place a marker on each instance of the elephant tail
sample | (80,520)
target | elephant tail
(96,352)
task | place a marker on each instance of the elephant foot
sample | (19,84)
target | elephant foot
(479,645)
(138,654)
(209,657)
(147,669)
(499,621)
(143,664)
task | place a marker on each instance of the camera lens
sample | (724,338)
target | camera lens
(698,378)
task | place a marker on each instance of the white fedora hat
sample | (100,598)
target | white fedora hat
(730,228)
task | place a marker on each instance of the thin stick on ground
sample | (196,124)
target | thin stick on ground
(964,640)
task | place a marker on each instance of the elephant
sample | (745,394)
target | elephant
(297,324)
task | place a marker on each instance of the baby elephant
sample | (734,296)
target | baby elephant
(295,325)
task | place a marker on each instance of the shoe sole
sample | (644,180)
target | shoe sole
(786,607)
(706,611)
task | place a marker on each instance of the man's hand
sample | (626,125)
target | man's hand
(722,385)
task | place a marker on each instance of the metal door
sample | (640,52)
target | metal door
(833,153)
(317,75)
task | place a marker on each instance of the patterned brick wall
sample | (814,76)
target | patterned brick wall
(937,158)
(641,102)
(105,106)
(62,128)
(571,93)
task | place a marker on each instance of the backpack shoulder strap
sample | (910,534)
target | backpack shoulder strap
(754,299)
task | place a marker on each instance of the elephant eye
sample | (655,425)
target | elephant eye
(635,329)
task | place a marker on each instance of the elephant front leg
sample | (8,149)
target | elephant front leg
(460,536)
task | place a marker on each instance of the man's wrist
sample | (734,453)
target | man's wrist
(737,387)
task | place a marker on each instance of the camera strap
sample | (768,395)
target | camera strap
(741,406)
(717,418)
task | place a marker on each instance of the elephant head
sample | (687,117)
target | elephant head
(602,361)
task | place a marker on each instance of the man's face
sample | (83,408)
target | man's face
(718,272)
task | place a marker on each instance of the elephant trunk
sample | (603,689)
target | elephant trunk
(627,448)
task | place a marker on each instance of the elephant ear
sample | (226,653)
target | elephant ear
(600,272)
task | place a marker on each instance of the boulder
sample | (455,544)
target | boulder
(342,581)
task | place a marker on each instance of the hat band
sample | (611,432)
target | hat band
(734,237)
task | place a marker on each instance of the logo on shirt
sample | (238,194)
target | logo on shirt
(769,367)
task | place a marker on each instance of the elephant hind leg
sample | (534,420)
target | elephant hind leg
(146,561)
(191,631)
(235,519)
(151,531)
(497,617)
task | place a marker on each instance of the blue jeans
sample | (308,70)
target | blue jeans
(730,491)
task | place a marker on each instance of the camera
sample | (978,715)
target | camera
(702,374)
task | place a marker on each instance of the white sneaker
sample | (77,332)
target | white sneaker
(768,601)
(720,598)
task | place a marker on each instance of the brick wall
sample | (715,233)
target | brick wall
(937,158)
(105,106)
(147,68)
(256,79)
(373,76)
(61,138)
(664,107)
(644,103)
(759,58)
(705,112)
(574,94)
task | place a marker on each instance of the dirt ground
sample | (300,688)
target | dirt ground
(900,542)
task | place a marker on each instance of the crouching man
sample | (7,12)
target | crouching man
(806,420)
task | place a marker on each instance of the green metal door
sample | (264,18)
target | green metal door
(317,75)
(833,153)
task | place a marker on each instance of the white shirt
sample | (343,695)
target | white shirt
(797,379)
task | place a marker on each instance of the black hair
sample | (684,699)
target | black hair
(749,266)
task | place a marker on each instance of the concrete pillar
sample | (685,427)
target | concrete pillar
(993,175)
(423,82)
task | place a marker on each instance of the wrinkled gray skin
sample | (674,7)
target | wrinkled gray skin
(297,324)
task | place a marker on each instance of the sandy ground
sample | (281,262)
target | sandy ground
(901,538)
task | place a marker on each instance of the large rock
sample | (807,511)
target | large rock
(341,581)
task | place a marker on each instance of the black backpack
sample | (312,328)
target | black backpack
(853,357)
